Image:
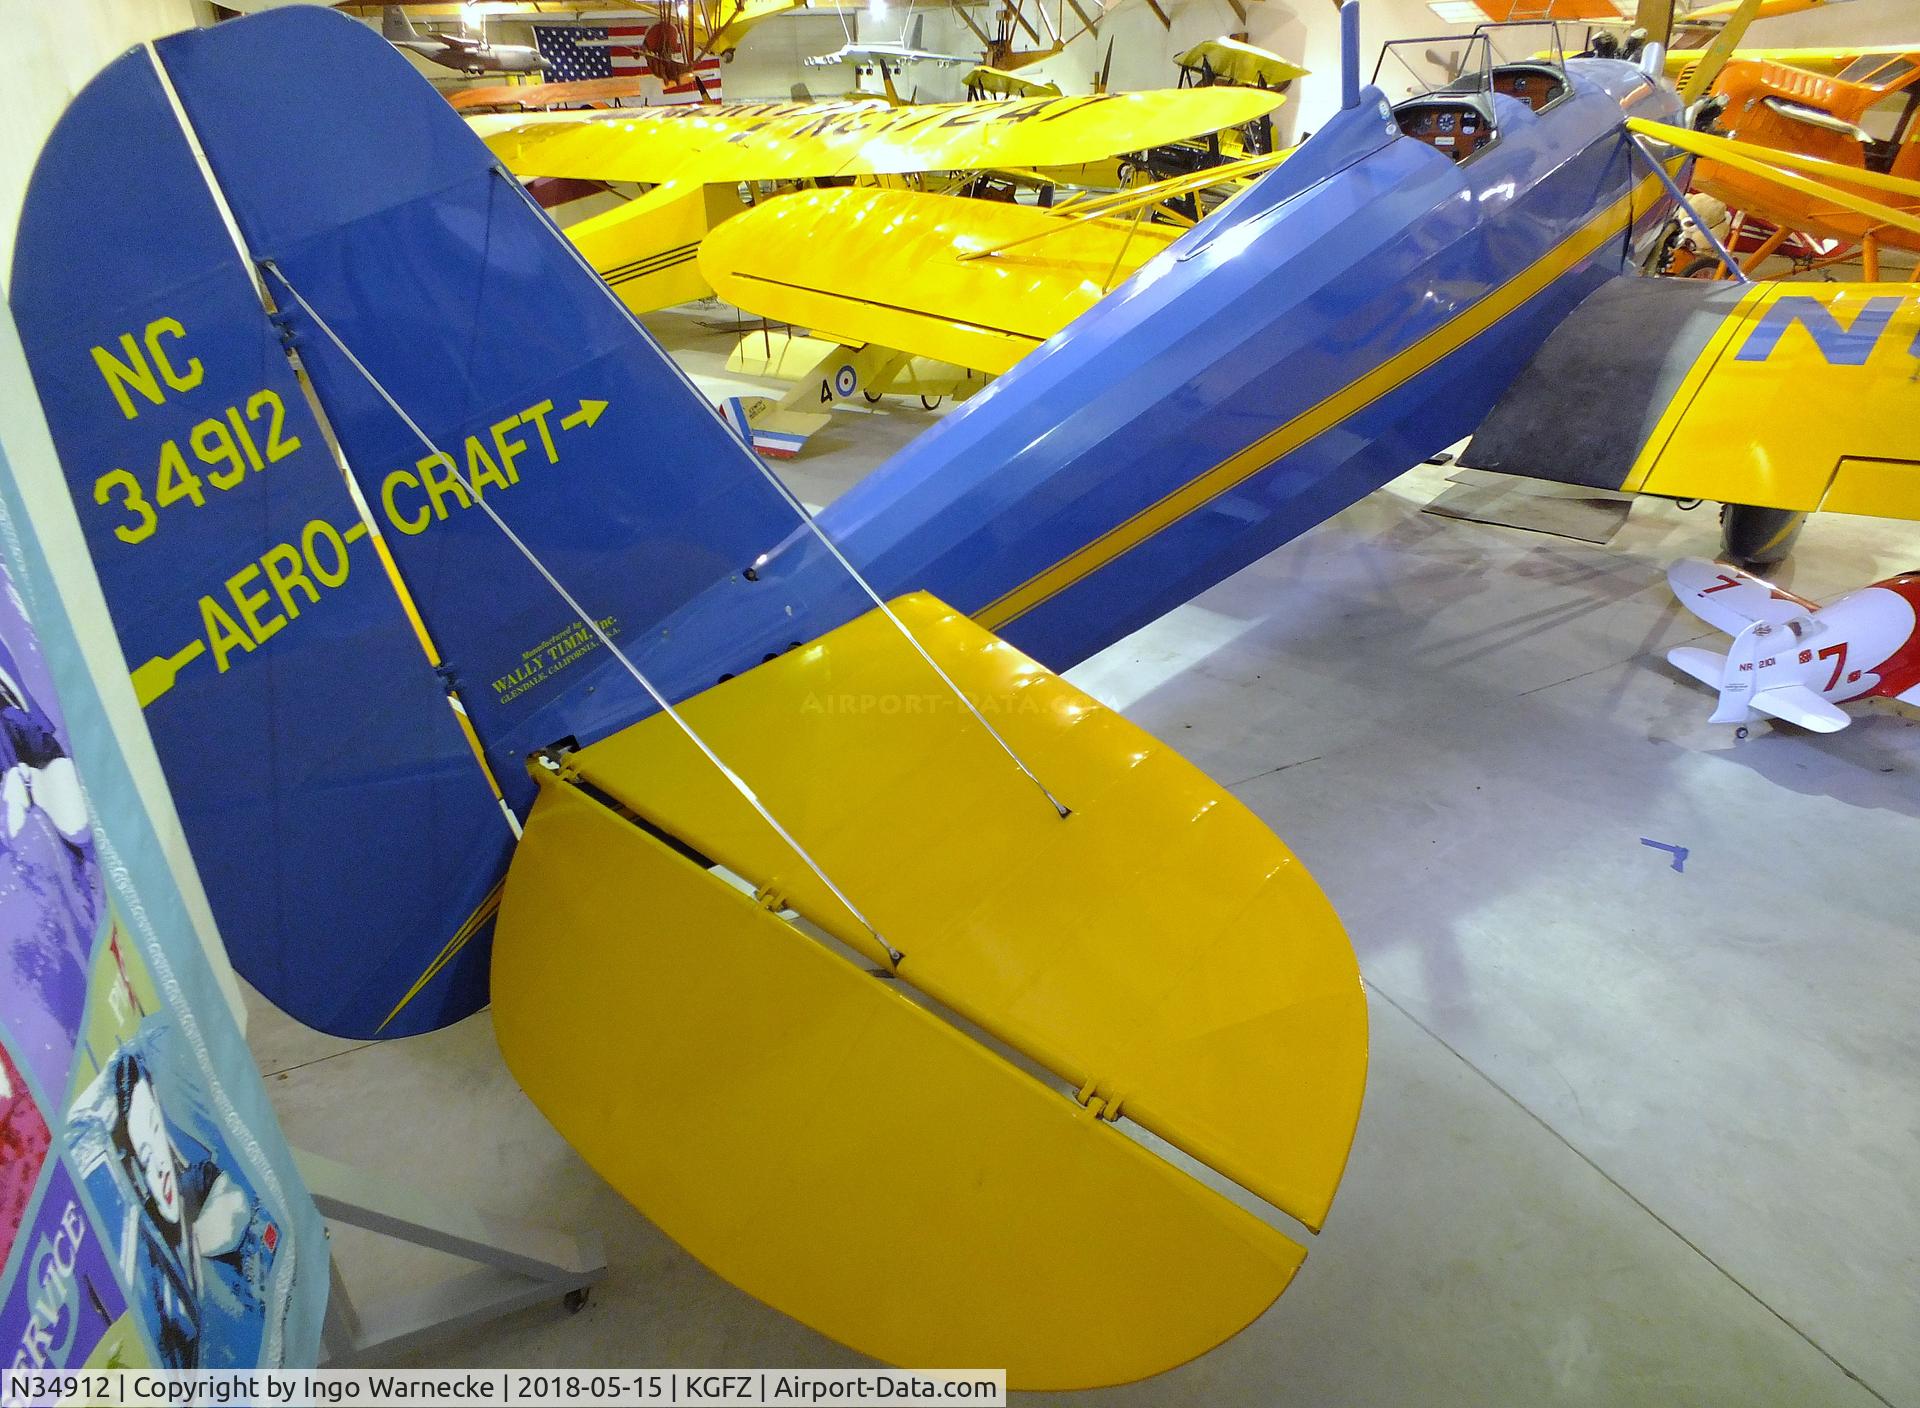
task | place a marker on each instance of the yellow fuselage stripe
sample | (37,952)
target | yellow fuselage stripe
(1383,379)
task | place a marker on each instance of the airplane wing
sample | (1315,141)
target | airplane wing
(1730,599)
(811,259)
(737,19)
(1780,395)
(795,141)
(545,95)
(1231,61)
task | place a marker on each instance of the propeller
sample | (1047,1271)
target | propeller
(1719,52)
(1106,70)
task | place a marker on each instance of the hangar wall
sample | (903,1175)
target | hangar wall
(1857,22)
(52,50)
(1305,31)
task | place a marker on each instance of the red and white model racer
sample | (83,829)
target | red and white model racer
(1795,659)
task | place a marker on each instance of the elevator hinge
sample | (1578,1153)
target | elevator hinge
(1104,1104)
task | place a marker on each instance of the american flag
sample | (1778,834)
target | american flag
(619,53)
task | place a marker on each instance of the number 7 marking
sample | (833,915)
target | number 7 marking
(1838,653)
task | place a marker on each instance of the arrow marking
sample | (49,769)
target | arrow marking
(588,413)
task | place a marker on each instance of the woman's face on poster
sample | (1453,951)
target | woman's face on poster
(147,1133)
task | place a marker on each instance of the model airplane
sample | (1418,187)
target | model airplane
(457,51)
(1793,659)
(471,642)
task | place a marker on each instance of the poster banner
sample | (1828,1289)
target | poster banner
(150,1211)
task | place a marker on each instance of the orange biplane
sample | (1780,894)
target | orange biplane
(1860,120)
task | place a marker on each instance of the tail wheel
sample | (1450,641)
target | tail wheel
(1759,537)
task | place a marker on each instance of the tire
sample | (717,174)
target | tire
(1704,266)
(1759,537)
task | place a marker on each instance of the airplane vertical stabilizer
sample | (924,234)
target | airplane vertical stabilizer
(316,721)
(394,24)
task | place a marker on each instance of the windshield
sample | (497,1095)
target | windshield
(1525,42)
(1456,65)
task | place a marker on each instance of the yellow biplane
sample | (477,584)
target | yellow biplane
(706,168)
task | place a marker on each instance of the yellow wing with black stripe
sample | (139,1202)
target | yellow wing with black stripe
(1781,395)
(802,141)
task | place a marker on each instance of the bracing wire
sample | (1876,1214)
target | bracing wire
(738,783)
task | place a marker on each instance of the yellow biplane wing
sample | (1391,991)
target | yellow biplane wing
(801,141)
(721,31)
(1827,61)
(1790,396)
(850,1155)
(998,83)
(892,267)
(1769,9)
(1231,61)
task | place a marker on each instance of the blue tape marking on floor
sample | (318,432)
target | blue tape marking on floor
(1679,853)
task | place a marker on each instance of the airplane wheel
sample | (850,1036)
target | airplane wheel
(1743,732)
(1707,266)
(1759,537)
(576,1300)
(932,405)
(872,399)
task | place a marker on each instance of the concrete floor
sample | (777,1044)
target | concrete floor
(1631,1136)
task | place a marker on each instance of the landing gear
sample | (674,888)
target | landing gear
(1758,537)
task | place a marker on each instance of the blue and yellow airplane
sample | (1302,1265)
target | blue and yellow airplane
(831,925)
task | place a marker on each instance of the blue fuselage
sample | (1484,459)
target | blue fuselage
(1363,306)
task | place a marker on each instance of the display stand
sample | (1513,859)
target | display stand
(517,1265)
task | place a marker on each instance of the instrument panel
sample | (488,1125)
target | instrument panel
(1536,87)
(1457,129)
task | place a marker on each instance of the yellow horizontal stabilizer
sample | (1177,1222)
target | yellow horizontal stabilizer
(796,141)
(784,356)
(1160,948)
(884,267)
(835,1150)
